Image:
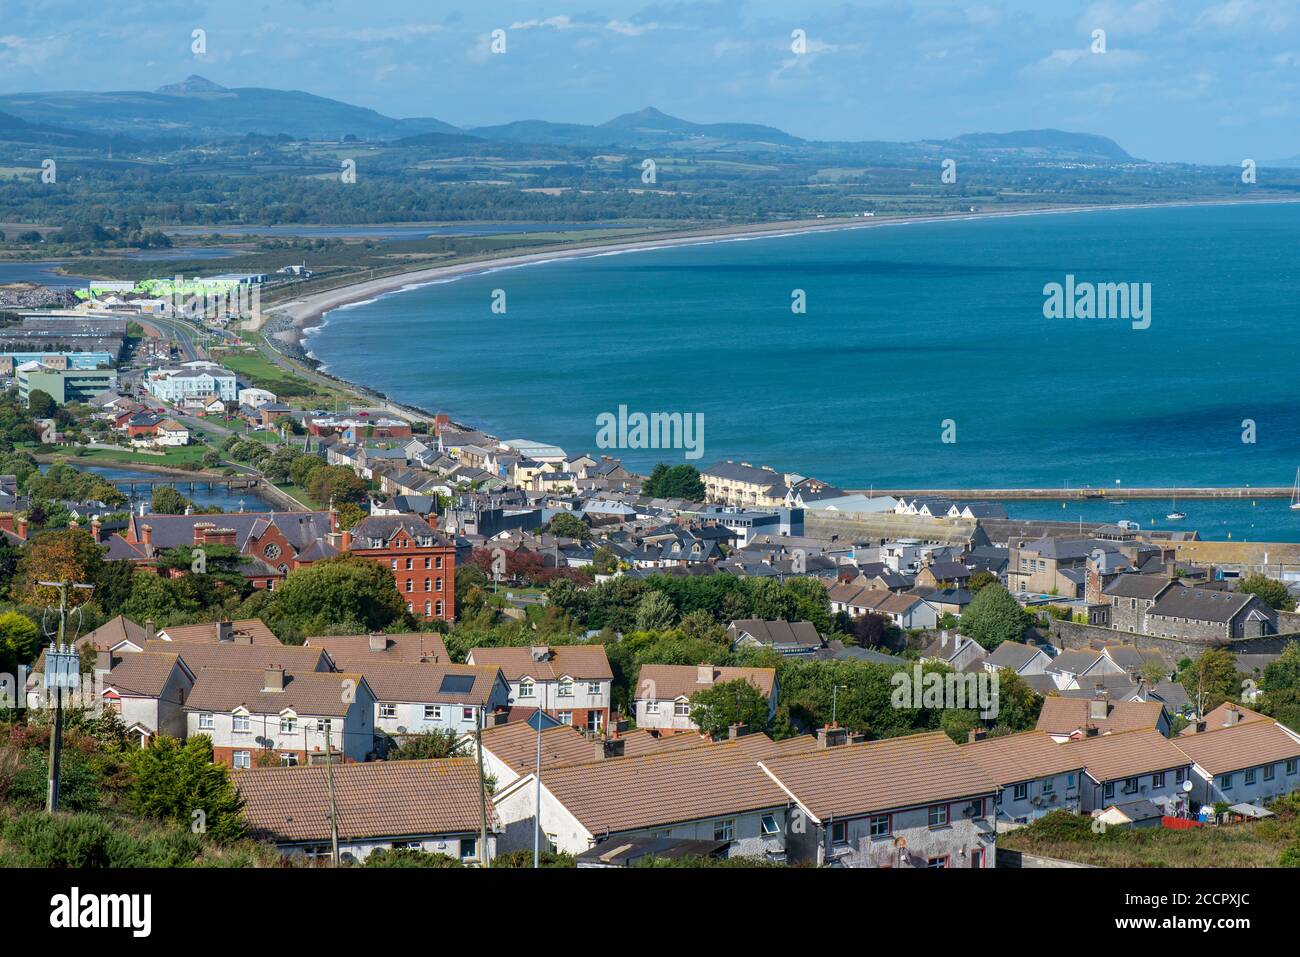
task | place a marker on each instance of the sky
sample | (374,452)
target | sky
(1208,81)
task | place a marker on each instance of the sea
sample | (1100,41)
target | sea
(914,355)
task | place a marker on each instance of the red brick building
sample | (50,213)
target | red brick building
(422,560)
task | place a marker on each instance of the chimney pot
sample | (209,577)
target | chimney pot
(103,661)
(273,679)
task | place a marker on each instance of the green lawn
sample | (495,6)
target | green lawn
(265,374)
(184,457)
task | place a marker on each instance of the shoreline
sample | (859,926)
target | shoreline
(308,313)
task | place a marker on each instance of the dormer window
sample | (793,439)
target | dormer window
(526,688)
(566,687)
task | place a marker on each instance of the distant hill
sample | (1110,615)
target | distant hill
(1056,143)
(198,107)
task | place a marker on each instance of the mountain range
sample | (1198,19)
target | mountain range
(198,108)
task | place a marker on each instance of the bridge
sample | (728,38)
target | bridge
(231,484)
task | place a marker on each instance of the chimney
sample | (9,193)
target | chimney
(150,630)
(1090,731)
(201,532)
(273,679)
(832,737)
(1200,726)
(22,527)
(704,675)
(225,631)
(1098,709)
(103,661)
(609,748)
(540,653)
(1231,716)
(976,734)
(378,641)
(96,528)
(146,534)
(735,731)
(221,536)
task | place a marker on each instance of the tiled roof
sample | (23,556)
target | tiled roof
(140,675)
(1126,754)
(1011,654)
(1246,744)
(253,628)
(112,633)
(1067,715)
(1201,604)
(299,528)
(668,682)
(411,646)
(582,662)
(874,776)
(671,785)
(1218,718)
(779,632)
(417,682)
(1013,758)
(306,693)
(378,799)
(199,655)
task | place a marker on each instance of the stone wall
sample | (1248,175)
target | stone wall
(1070,635)
(876,527)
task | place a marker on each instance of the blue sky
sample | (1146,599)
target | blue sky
(1195,80)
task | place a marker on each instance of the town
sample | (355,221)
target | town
(425,644)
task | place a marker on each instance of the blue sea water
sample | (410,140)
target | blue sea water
(907,326)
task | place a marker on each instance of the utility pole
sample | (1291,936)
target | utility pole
(62,670)
(329,779)
(483,855)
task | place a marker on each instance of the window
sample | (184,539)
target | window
(565,717)
(410,584)
(433,712)
(566,687)
(288,759)
(724,830)
(427,564)
(428,608)
(239,723)
(1250,777)
(880,825)
(288,724)
(526,688)
(840,832)
(428,583)
(406,845)
(770,826)
(593,687)
(323,725)
(240,759)
(1069,781)
(1179,775)
(937,862)
(388,711)
(1049,785)
(467,714)
(437,583)
(1292,765)
(1158,780)
(938,815)
(652,706)
(409,564)
(468,847)
(1225,782)
(1021,792)
(205,722)
(437,562)
(682,708)
(437,608)
(1108,791)
(1269,771)
(1130,785)
(394,564)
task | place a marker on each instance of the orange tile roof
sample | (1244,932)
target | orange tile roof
(1244,745)
(668,682)
(1126,754)
(1013,758)
(876,776)
(254,628)
(1062,715)
(583,662)
(376,799)
(409,646)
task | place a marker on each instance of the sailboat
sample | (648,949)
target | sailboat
(1295,492)
(1174,515)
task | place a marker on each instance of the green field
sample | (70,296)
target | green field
(187,457)
(265,374)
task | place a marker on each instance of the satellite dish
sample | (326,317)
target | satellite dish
(1187,786)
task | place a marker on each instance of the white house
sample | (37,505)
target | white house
(256,398)
(413,698)
(662,699)
(569,682)
(196,379)
(1035,775)
(1241,757)
(289,716)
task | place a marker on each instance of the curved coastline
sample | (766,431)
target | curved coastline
(312,311)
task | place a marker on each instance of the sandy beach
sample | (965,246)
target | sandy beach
(306,312)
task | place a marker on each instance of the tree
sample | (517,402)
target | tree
(1268,590)
(70,555)
(994,616)
(176,781)
(568,525)
(347,589)
(1213,676)
(981,580)
(678,481)
(428,744)
(20,641)
(167,501)
(869,631)
(301,468)
(655,612)
(717,708)
(336,483)
(41,404)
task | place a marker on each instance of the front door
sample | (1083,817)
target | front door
(595,721)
